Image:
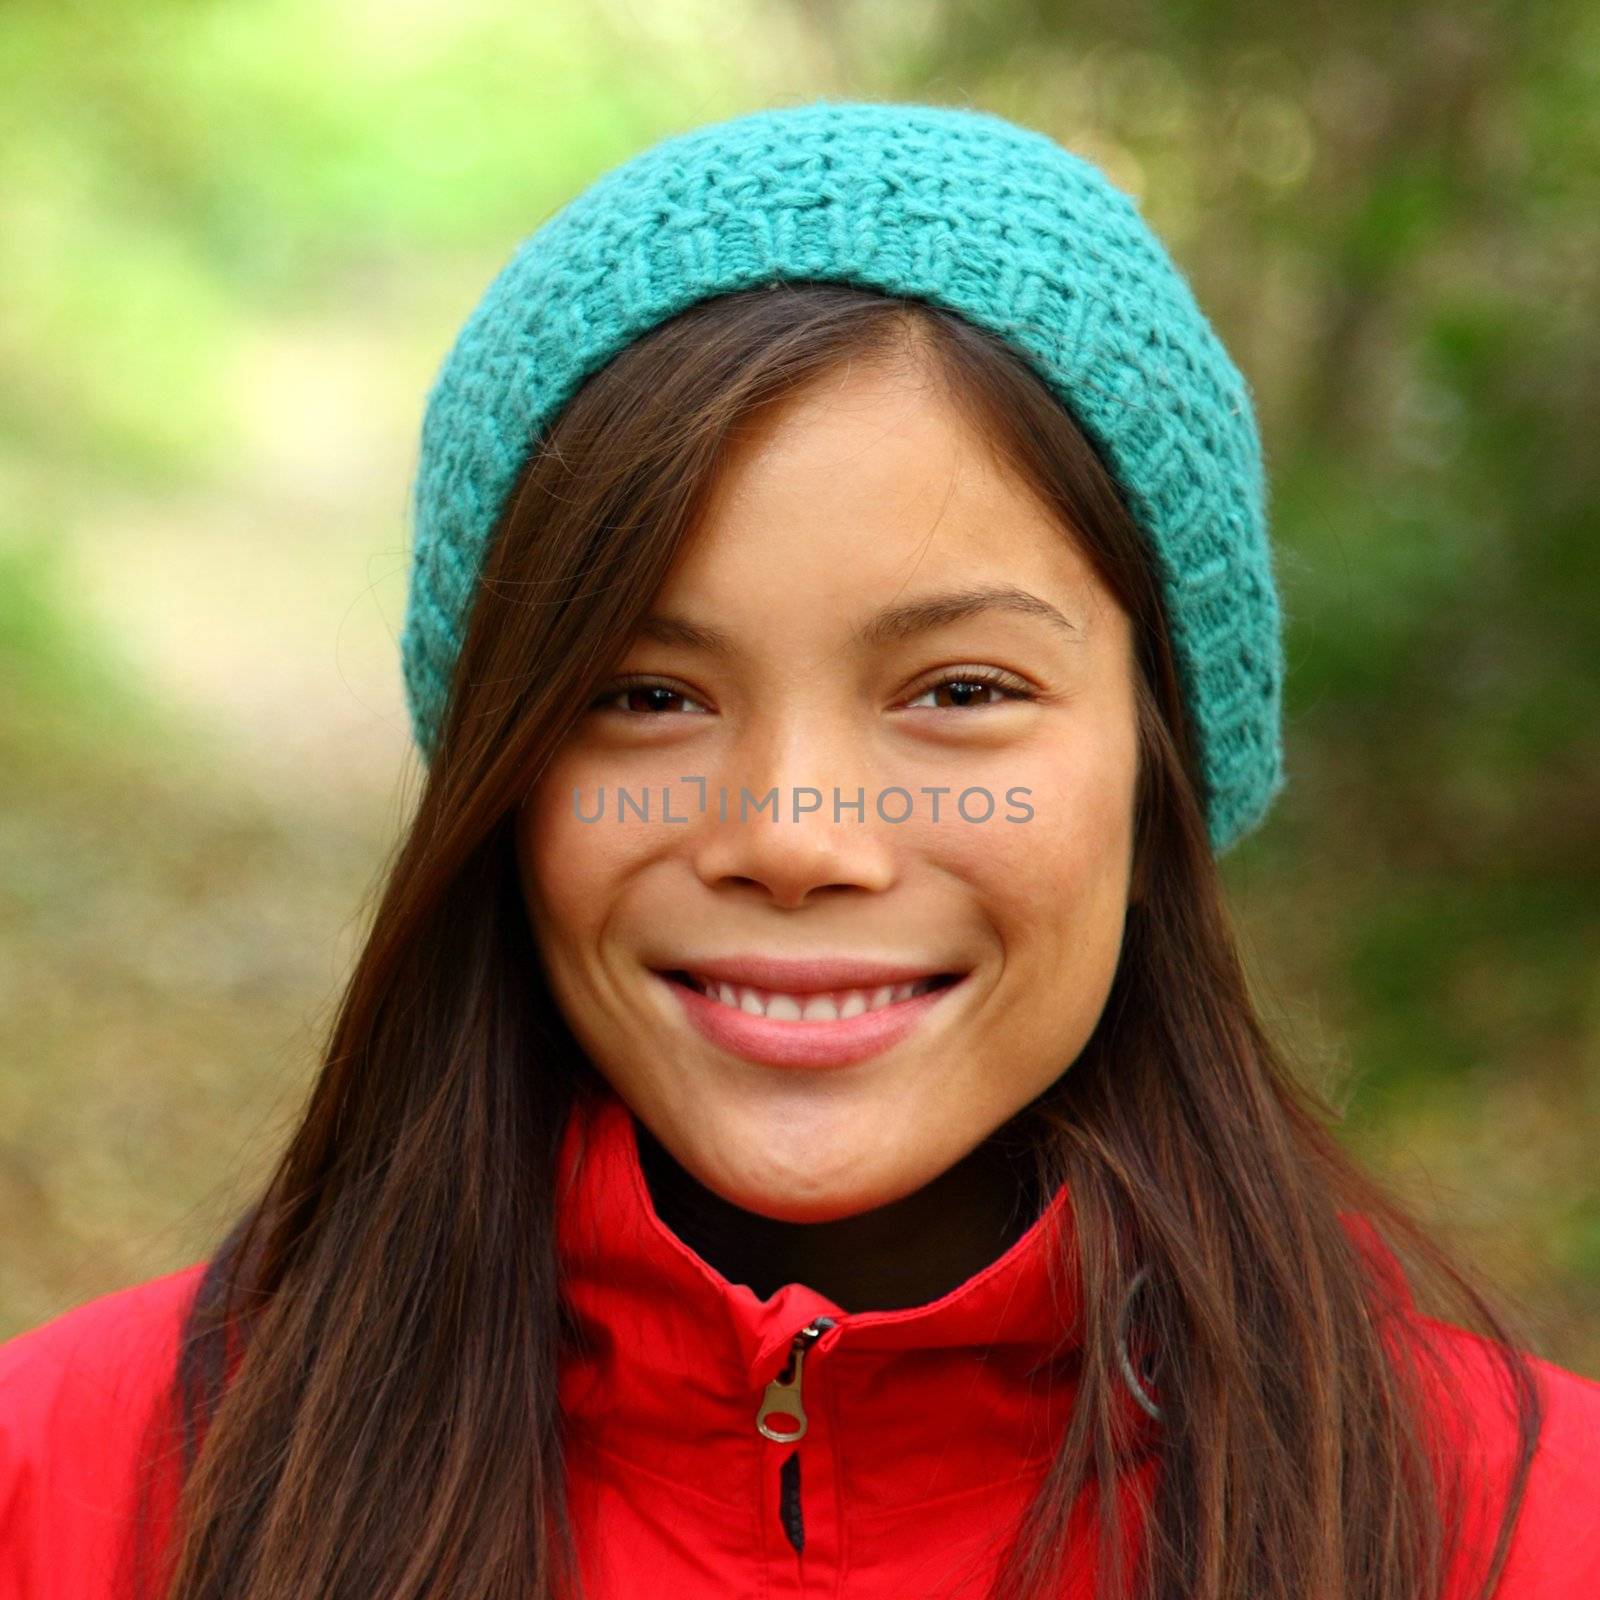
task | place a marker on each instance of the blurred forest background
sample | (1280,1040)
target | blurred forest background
(239,238)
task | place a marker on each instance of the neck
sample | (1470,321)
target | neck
(907,1253)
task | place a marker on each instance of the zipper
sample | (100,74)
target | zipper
(783,1399)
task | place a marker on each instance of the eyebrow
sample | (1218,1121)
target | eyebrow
(892,623)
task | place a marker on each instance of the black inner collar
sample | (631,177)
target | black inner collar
(906,1253)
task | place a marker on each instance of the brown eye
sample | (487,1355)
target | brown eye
(965,691)
(642,699)
(968,687)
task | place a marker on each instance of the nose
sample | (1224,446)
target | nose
(790,836)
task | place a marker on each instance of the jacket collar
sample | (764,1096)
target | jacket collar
(670,1360)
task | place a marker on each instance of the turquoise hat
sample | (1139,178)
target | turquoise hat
(956,207)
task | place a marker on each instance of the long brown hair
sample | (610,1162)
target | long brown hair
(366,1396)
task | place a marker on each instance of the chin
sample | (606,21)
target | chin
(819,1207)
(783,1173)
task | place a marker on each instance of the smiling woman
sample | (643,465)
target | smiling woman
(842,521)
(827,1182)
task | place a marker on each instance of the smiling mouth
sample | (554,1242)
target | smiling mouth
(831,1005)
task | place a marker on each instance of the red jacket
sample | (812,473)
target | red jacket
(925,1432)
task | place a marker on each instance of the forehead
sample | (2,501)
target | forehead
(873,479)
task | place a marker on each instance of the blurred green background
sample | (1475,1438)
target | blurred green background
(237,241)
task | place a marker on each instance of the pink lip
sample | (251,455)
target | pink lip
(774,1042)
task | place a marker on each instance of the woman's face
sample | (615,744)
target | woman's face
(872,605)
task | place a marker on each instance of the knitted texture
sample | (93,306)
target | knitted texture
(963,209)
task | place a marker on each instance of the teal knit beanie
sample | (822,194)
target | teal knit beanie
(960,208)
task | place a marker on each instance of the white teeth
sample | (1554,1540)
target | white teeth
(836,1006)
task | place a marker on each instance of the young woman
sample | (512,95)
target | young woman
(798,1125)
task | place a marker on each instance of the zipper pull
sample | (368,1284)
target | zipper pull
(782,1397)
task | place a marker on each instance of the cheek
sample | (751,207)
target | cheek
(1053,890)
(1068,854)
(570,868)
